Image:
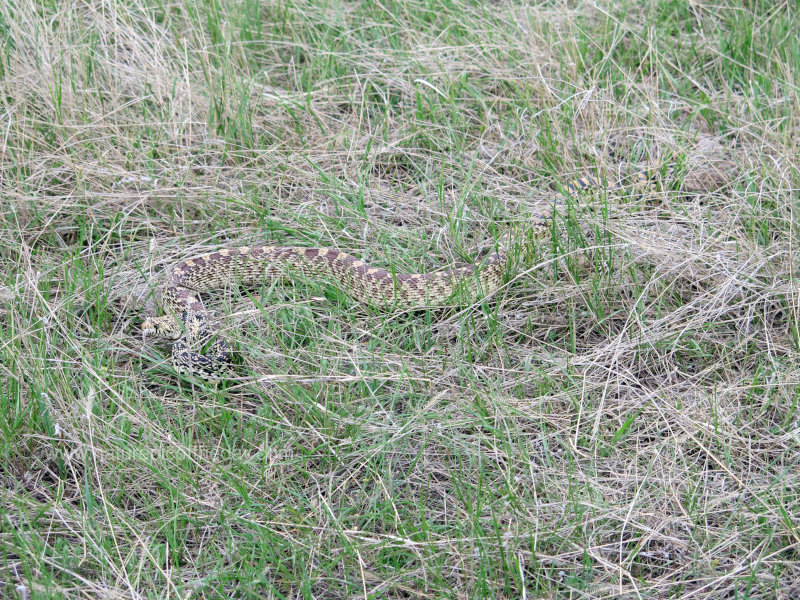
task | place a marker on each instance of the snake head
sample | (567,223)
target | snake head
(165,327)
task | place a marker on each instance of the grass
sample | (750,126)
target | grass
(620,421)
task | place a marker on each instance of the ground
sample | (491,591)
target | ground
(620,420)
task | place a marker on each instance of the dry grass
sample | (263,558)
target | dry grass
(620,421)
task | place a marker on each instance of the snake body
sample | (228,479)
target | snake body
(200,350)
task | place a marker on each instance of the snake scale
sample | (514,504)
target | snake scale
(200,350)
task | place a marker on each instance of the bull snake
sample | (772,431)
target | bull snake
(200,350)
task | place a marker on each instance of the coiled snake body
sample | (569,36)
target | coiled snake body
(200,350)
